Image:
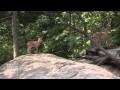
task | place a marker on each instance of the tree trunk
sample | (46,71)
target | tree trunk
(15,35)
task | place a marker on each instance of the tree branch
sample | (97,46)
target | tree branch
(99,46)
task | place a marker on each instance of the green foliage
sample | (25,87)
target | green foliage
(5,41)
(114,37)
(58,39)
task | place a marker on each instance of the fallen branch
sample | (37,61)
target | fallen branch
(103,61)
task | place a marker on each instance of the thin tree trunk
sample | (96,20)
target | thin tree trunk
(15,35)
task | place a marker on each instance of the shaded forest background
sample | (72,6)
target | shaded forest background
(58,39)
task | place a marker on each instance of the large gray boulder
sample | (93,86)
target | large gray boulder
(48,66)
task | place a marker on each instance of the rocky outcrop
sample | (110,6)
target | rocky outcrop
(48,66)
